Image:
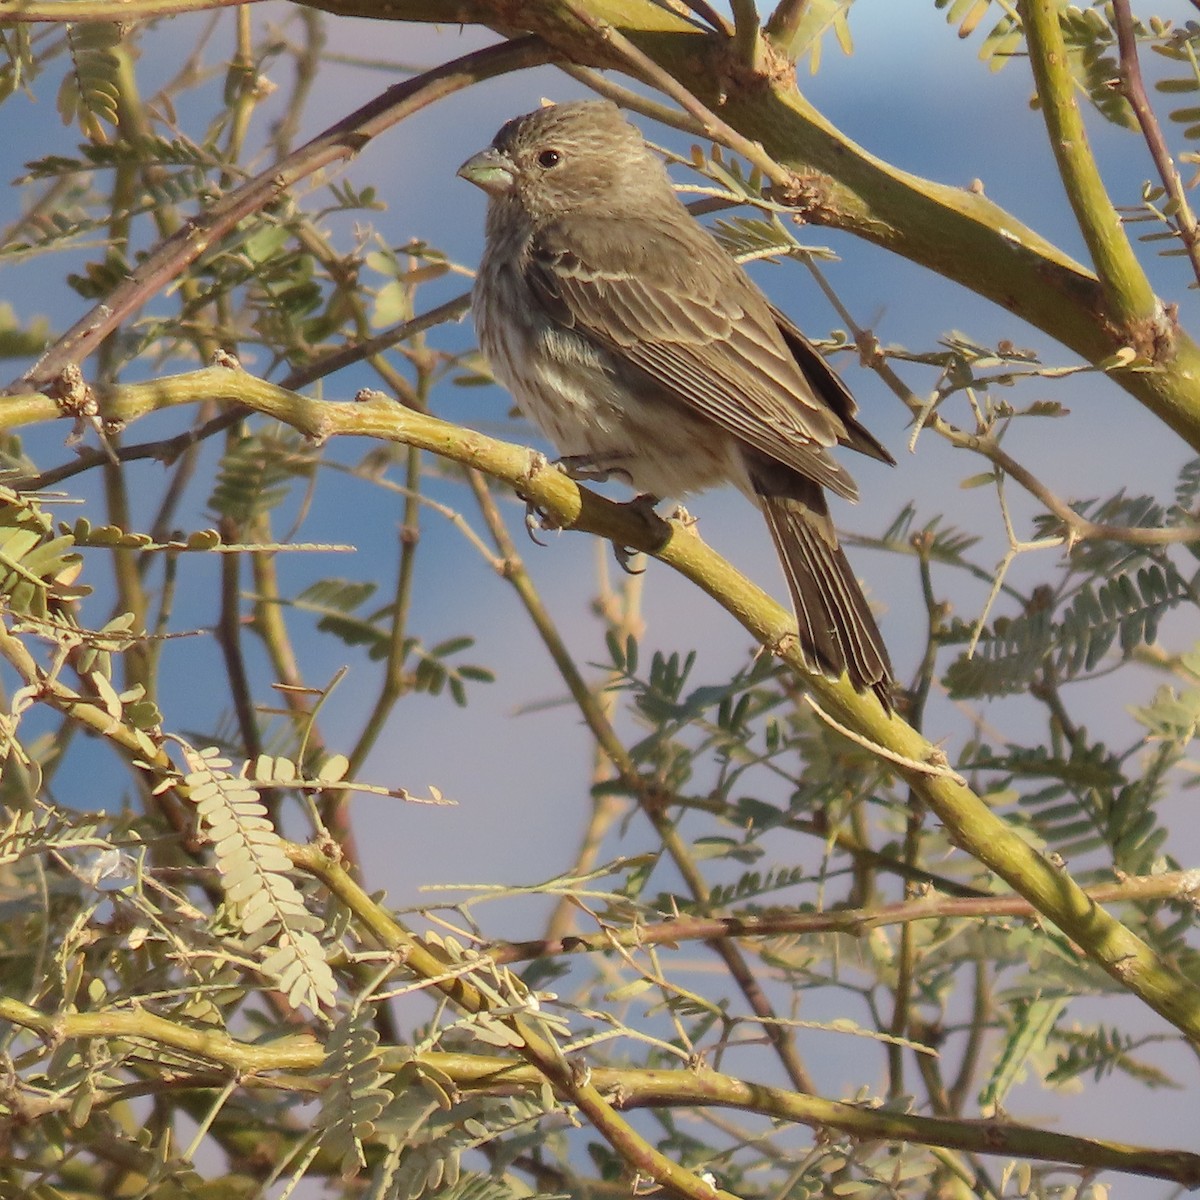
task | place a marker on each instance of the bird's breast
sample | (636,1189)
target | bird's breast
(588,402)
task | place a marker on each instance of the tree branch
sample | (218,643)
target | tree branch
(957,233)
(345,138)
(1134,89)
(1131,302)
(971,824)
(634,1088)
(856,922)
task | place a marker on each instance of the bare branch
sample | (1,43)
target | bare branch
(345,138)
(1134,89)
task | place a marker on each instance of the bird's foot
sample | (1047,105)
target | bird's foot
(643,506)
(626,556)
(536,522)
(536,519)
(592,468)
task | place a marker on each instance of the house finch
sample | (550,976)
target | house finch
(639,347)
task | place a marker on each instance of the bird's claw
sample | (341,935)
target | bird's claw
(535,520)
(624,556)
(643,506)
(590,468)
(538,521)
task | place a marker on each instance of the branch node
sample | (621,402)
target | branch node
(320,432)
(73,394)
(808,193)
(769,69)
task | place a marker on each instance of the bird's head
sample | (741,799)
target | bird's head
(568,158)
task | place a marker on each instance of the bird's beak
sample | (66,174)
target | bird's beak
(490,170)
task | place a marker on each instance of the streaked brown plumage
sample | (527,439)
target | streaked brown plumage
(628,335)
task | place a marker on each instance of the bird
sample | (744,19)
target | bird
(640,348)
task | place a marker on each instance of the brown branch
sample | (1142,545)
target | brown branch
(52,11)
(197,236)
(1133,88)
(165,450)
(229,638)
(644,67)
(858,922)
(327,364)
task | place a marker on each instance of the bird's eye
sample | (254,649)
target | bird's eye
(549,158)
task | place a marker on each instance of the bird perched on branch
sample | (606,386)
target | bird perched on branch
(641,348)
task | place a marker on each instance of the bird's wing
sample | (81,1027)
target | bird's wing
(665,298)
(829,386)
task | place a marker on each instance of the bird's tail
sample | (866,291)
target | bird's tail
(837,631)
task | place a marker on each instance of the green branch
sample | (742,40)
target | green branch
(957,233)
(42,11)
(1129,296)
(968,820)
(636,1088)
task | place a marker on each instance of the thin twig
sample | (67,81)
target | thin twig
(1133,88)
(981,1015)
(664,114)
(941,770)
(229,638)
(706,12)
(1015,547)
(1180,886)
(319,368)
(714,128)
(348,136)
(1077,527)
